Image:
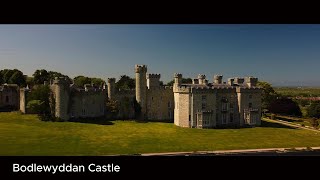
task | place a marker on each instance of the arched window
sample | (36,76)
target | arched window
(7,99)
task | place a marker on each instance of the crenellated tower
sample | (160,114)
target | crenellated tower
(141,89)
(153,80)
(111,87)
(202,79)
(177,79)
(61,89)
(217,79)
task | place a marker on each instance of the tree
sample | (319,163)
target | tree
(183,81)
(285,106)
(268,94)
(17,78)
(30,81)
(1,78)
(7,73)
(40,76)
(125,82)
(81,80)
(52,75)
(38,100)
(97,81)
(112,108)
(314,110)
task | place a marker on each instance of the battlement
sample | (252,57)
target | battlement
(201,76)
(217,76)
(217,79)
(140,68)
(251,79)
(238,80)
(153,76)
(177,75)
(111,80)
(60,80)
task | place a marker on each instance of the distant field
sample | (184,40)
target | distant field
(295,91)
(26,135)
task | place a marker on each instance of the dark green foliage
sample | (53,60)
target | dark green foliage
(30,81)
(82,80)
(52,75)
(285,106)
(1,78)
(125,82)
(17,78)
(14,76)
(314,109)
(43,75)
(112,108)
(39,102)
(97,81)
(39,76)
(268,94)
(183,81)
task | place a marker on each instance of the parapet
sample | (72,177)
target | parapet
(140,68)
(238,80)
(201,76)
(177,75)
(111,80)
(60,80)
(153,76)
(217,76)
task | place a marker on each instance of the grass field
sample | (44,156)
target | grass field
(26,135)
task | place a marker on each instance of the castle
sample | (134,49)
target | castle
(197,105)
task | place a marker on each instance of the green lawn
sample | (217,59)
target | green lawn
(26,135)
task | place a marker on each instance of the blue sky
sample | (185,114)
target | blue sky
(284,54)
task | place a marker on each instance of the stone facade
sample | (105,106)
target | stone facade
(197,105)
(9,97)
(217,104)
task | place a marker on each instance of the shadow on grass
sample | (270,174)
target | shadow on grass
(100,121)
(148,121)
(275,125)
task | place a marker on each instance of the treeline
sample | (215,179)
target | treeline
(298,92)
(282,103)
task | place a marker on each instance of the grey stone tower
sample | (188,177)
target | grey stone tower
(111,87)
(202,79)
(217,79)
(177,79)
(153,80)
(61,90)
(141,89)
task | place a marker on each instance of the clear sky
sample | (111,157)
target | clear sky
(285,54)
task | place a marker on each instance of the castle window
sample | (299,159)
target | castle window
(224,99)
(224,107)
(152,98)
(169,104)
(250,96)
(204,97)
(250,105)
(231,117)
(224,118)
(203,106)
(7,99)
(231,105)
